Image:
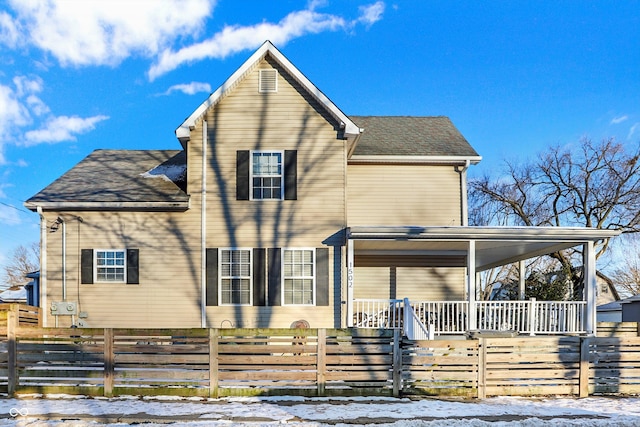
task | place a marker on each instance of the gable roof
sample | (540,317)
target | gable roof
(183,132)
(420,138)
(134,179)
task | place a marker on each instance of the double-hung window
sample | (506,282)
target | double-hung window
(266,175)
(235,277)
(110,265)
(298,268)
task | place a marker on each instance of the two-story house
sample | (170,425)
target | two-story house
(278,207)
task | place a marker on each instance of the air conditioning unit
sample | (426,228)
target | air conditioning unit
(64,308)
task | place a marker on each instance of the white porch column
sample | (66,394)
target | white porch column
(350,244)
(590,286)
(521,279)
(471,285)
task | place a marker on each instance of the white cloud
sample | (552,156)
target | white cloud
(8,216)
(190,88)
(13,115)
(372,13)
(62,128)
(233,38)
(633,129)
(105,32)
(620,119)
(9,31)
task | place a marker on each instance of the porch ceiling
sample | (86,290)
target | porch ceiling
(448,246)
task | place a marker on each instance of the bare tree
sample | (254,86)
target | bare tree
(23,260)
(626,272)
(588,184)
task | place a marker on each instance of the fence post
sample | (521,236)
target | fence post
(321,362)
(12,350)
(397,363)
(584,366)
(109,362)
(482,368)
(214,344)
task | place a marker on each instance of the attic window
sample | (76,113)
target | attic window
(268,81)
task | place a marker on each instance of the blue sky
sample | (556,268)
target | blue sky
(514,76)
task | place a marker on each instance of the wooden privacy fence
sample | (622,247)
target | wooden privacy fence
(223,362)
(21,314)
(199,362)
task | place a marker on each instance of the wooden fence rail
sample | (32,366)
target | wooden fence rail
(223,362)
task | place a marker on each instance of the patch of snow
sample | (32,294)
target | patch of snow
(14,294)
(173,173)
(339,411)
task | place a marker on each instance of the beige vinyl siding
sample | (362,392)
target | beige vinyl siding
(168,294)
(391,194)
(415,283)
(287,120)
(249,120)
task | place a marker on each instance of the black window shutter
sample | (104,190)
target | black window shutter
(291,175)
(322,276)
(259,279)
(133,276)
(242,174)
(275,267)
(86,266)
(212,276)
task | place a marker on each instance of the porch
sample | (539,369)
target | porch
(470,250)
(421,320)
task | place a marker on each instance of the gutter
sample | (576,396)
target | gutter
(431,160)
(134,206)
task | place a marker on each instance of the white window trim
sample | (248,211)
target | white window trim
(220,277)
(95,265)
(282,177)
(313,277)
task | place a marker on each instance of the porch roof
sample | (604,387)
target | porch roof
(448,245)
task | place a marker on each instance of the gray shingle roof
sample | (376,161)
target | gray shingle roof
(119,176)
(410,136)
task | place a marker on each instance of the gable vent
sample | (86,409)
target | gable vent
(268,81)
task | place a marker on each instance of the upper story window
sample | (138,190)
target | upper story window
(235,276)
(110,265)
(266,175)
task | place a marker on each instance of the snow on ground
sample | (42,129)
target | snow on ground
(73,411)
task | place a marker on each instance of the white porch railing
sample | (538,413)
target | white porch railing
(452,317)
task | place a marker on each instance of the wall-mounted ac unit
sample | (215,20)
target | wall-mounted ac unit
(64,308)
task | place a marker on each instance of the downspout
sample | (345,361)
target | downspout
(203,230)
(64,258)
(463,192)
(43,265)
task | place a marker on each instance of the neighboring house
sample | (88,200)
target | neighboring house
(279,207)
(33,289)
(607,292)
(14,295)
(626,310)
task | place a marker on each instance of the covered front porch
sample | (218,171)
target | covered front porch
(468,250)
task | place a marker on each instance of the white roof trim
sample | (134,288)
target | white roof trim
(444,160)
(564,234)
(159,206)
(183,132)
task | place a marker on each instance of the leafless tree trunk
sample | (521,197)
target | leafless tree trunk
(23,260)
